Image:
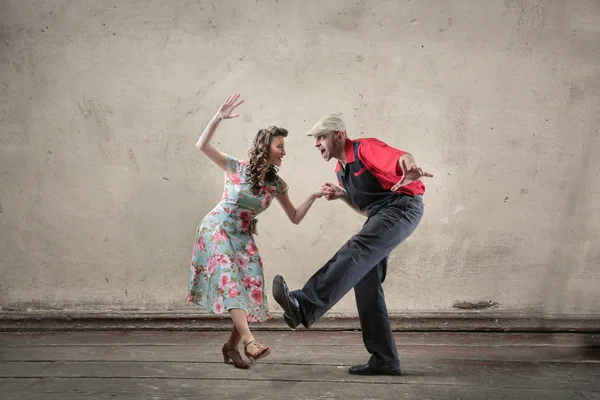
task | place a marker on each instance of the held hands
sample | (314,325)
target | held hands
(331,191)
(226,109)
(319,193)
(413,173)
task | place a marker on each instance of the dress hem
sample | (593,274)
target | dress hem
(267,313)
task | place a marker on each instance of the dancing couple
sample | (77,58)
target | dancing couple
(378,181)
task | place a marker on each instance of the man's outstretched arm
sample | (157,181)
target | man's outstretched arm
(410,171)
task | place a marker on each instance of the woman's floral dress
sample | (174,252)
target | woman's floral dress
(226,270)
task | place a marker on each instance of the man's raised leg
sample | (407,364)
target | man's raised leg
(382,232)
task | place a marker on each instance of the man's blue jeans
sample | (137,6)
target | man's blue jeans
(362,264)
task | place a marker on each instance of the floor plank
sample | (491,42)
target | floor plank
(152,388)
(488,374)
(299,338)
(292,353)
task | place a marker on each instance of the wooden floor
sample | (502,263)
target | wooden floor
(303,365)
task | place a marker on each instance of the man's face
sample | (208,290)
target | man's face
(329,144)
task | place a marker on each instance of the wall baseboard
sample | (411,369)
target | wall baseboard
(37,321)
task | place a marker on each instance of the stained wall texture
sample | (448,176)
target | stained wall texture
(101,187)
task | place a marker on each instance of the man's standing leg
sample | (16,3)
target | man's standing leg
(375,324)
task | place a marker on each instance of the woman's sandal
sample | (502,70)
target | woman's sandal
(261,353)
(235,356)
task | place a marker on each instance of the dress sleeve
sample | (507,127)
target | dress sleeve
(280,187)
(232,169)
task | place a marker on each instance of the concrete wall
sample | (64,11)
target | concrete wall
(102,187)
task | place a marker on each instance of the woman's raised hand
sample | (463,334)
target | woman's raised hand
(226,109)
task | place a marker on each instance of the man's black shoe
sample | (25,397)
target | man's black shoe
(287,301)
(365,369)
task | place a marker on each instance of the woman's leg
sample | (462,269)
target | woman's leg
(234,339)
(230,349)
(240,326)
(252,348)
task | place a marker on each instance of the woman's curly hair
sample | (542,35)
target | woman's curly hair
(259,155)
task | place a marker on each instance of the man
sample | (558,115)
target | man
(382,183)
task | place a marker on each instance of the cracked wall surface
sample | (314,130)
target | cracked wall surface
(101,187)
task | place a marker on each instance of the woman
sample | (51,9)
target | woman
(226,272)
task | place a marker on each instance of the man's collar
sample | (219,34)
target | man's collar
(349,152)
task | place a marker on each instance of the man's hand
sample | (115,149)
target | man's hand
(410,174)
(331,191)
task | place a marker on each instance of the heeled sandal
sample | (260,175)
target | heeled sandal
(261,353)
(235,356)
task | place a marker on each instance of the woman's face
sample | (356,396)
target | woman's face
(276,151)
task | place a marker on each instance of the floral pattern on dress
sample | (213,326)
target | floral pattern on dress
(226,269)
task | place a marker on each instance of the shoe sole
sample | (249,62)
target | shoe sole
(291,323)
(282,300)
(375,373)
